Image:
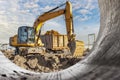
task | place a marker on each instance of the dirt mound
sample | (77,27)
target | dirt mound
(43,63)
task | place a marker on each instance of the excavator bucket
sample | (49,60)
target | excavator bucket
(76,48)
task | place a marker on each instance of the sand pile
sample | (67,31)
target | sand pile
(42,63)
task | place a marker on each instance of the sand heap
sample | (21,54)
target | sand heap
(42,63)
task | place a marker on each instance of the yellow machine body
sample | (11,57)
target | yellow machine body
(75,47)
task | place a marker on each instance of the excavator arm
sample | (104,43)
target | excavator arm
(69,21)
(50,15)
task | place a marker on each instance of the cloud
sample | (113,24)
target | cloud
(91,4)
(84,11)
(31,5)
(47,8)
(15,13)
(11,18)
(24,11)
(82,18)
(76,5)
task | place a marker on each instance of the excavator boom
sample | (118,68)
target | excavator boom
(44,17)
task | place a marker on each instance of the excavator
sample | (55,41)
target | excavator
(29,37)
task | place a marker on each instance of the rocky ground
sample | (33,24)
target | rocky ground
(42,62)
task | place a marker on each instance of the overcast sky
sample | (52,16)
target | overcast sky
(15,13)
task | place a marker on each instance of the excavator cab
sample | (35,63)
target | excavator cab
(25,41)
(26,35)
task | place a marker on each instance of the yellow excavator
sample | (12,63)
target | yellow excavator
(29,37)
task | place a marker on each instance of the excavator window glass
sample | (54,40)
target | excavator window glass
(26,34)
(31,35)
(22,34)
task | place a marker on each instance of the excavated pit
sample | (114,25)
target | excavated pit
(103,63)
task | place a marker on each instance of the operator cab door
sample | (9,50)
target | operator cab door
(26,35)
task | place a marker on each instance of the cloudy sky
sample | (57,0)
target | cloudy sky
(15,13)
